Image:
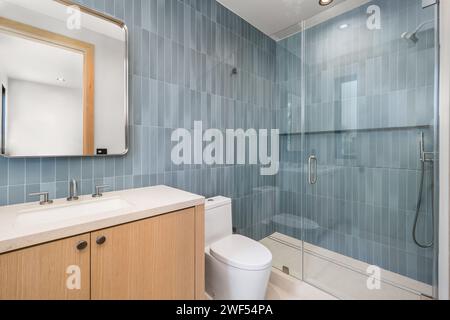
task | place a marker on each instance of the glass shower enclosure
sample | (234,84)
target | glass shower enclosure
(356,103)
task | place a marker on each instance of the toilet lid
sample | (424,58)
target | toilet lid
(242,252)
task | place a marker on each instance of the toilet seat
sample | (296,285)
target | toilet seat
(242,253)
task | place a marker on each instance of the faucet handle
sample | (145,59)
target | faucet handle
(98,190)
(44,197)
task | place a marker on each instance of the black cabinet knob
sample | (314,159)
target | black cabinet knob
(101,240)
(82,245)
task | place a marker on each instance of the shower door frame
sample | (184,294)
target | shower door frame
(437,144)
(443,289)
(441,213)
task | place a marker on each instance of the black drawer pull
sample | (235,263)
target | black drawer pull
(82,245)
(101,240)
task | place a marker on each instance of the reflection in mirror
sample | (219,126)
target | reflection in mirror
(64,84)
(47,75)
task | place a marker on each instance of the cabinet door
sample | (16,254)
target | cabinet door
(144,260)
(57,270)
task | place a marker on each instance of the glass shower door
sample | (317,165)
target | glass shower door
(360,143)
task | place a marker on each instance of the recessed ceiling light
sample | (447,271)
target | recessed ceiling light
(60,79)
(325,2)
(344,26)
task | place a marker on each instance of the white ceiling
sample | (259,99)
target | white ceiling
(34,61)
(279,18)
(43,9)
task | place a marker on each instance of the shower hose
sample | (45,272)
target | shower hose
(419,205)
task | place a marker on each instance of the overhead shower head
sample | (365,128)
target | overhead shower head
(411,36)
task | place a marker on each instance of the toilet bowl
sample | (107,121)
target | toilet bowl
(237,267)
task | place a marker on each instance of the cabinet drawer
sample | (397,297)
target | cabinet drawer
(43,272)
(148,259)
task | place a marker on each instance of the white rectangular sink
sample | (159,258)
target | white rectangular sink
(51,214)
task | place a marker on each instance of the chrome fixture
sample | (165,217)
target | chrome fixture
(325,2)
(73,191)
(312,170)
(412,36)
(98,189)
(45,197)
(424,158)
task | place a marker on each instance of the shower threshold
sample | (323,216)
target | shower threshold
(339,275)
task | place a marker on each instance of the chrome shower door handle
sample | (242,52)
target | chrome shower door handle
(312,170)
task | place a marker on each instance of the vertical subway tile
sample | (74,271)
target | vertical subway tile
(119,166)
(16,172)
(99,167)
(87,168)
(33,171)
(75,168)
(3,196)
(137,9)
(30,189)
(61,169)
(3,171)
(119,9)
(16,194)
(109,166)
(61,189)
(48,173)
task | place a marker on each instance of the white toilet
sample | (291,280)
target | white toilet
(237,268)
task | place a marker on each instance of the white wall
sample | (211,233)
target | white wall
(444,211)
(109,74)
(29,132)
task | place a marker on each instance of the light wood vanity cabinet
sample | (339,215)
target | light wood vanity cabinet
(156,258)
(149,259)
(40,272)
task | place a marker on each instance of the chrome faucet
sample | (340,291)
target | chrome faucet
(73,191)
(44,197)
(98,191)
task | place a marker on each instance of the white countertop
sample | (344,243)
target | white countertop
(143,203)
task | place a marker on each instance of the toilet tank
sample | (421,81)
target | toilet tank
(218,219)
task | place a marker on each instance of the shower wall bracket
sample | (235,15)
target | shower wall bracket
(424,155)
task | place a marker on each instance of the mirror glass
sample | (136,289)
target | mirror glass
(63,74)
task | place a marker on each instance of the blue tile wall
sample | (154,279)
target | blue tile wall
(366,195)
(182,54)
(181,57)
